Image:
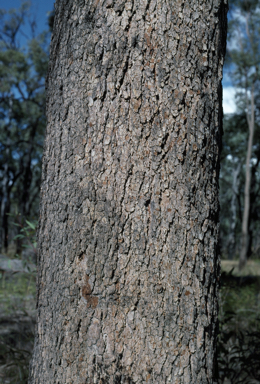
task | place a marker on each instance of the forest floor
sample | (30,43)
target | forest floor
(252,267)
(239,323)
(17,322)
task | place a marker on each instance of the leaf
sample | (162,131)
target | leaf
(31,225)
(20,236)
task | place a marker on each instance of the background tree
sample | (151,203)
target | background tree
(128,260)
(231,183)
(22,104)
(244,55)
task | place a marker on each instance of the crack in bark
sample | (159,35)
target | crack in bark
(130,199)
(123,73)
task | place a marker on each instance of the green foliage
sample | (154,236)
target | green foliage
(23,67)
(17,311)
(235,136)
(243,55)
(234,156)
(27,232)
(244,45)
(22,105)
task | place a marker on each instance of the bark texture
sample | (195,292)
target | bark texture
(128,263)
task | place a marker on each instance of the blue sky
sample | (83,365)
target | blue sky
(40,9)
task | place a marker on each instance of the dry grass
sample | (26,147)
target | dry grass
(252,268)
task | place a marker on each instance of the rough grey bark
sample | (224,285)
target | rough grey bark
(128,263)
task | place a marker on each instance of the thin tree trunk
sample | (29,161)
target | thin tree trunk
(254,196)
(233,208)
(5,207)
(27,174)
(6,188)
(128,260)
(246,212)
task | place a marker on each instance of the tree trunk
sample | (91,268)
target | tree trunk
(5,202)
(233,207)
(27,178)
(5,208)
(128,261)
(246,211)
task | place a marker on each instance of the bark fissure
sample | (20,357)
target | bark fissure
(128,268)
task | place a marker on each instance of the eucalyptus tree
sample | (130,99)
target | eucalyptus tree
(128,233)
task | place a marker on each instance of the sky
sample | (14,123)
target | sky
(40,9)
